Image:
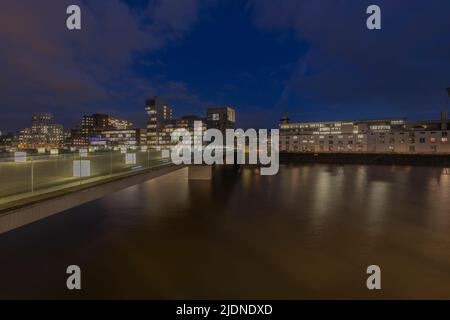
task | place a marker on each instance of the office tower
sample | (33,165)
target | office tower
(44,133)
(221,118)
(158,112)
(185,122)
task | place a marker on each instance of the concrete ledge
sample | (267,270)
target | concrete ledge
(25,214)
(367,158)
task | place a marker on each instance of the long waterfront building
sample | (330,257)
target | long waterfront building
(395,135)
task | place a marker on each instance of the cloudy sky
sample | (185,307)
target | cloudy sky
(313,58)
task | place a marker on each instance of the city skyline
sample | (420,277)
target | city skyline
(143,123)
(105,131)
(261,58)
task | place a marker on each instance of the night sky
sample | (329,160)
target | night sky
(313,58)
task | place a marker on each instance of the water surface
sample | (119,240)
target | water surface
(309,232)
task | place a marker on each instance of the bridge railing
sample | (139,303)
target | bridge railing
(23,176)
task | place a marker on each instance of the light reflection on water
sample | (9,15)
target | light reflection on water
(309,232)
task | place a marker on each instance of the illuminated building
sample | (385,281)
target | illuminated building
(120,138)
(221,118)
(76,138)
(92,127)
(374,136)
(161,124)
(158,112)
(44,133)
(6,142)
(185,122)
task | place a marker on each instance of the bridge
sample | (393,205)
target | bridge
(35,187)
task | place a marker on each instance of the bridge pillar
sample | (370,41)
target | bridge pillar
(200,172)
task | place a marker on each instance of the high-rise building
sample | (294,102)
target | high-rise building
(185,122)
(221,118)
(161,124)
(158,112)
(44,133)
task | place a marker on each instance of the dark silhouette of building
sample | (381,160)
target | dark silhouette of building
(221,118)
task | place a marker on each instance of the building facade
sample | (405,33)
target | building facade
(120,138)
(161,123)
(92,127)
(185,122)
(395,135)
(158,112)
(7,142)
(221,118)
(44,133)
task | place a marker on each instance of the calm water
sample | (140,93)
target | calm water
(309,232)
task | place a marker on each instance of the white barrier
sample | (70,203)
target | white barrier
(83,153)
(130,158)
(81,168)
(20,157)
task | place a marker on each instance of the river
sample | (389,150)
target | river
(309,232)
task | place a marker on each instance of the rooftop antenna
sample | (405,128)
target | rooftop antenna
(285,118)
